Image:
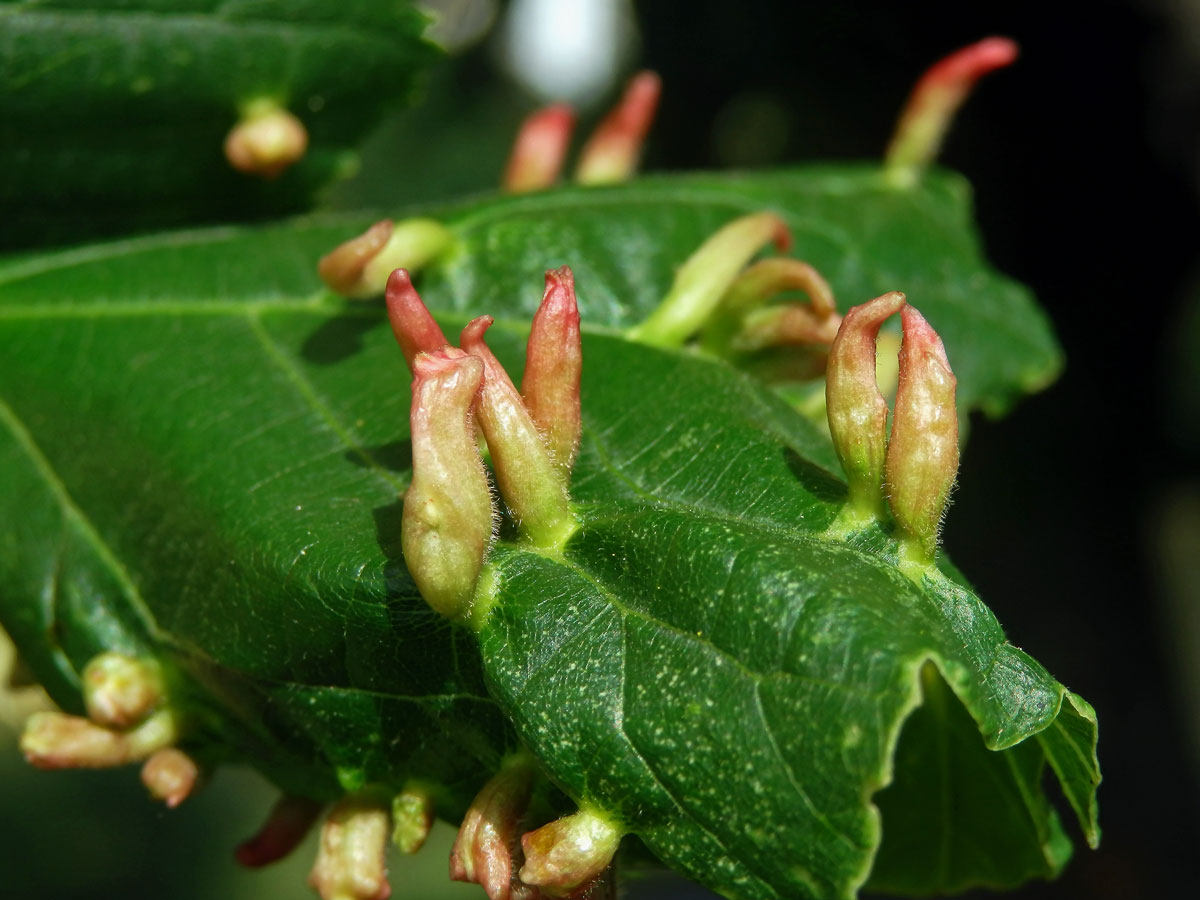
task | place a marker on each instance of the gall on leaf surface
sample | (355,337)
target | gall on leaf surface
(205,453)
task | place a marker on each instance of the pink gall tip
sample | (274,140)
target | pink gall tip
(539,150)
(856,409)
(553,368)
(922,453)
(612,153)
(935,99)
(446,527)
(413,326)
(290,820)
(486,850)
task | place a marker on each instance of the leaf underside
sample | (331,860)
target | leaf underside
(206,453)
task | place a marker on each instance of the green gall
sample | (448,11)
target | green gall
(922,454)
(553,368)
(447,522)
(856,409)
(360,267)
(706,276)
(529,481)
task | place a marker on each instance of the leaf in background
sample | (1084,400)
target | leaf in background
(206,453)
(115,114)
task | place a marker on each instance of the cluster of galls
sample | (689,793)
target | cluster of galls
(129,719)
(913,468)
(464,405)
(531,437)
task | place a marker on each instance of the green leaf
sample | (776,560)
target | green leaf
(624,244)
(742,678)
(173,75)
(206,453)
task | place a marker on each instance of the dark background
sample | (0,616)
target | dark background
(1075,516)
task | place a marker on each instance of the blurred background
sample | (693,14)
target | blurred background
(1078,517)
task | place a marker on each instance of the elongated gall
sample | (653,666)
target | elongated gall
(539,150)
(530,484)
(769,277)
(360,266)
(569,853)
(447,522)
(119,691)
(54,740)
(488,838)
(553,368)
(857,411)
(413,326)
(922,455)
(707,275)
(934,100)
(352,859)
(612,153)
(266,140)
(290,819)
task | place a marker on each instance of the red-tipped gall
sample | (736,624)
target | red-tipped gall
(553,366)
(857,411)
(413,326)
(922,453)
(447,522)
(360,266)
(934,100)
(539,149)
(530,484)
(612,153)
(488,838)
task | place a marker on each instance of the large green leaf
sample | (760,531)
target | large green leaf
(624,243)
(115,113)
(203,454)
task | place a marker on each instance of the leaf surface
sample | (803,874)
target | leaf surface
(624,243)
(206,453)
